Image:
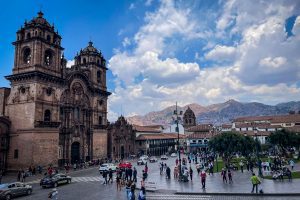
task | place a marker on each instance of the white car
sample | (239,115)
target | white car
(107,166)
(173,155)
(164,157)
(141,161)
(153,159)
(144,157)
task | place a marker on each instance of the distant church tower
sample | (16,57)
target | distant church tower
(189,118)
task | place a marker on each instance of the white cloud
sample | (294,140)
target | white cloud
(132,6)
(148,2)
(273,63)
(70,63)
(126,42)
(221,53)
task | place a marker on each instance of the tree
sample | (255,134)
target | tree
(284,139)
(230,142)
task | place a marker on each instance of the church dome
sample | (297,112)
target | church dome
(39,21)
(90,49)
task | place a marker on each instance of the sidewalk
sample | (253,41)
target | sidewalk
(12,177)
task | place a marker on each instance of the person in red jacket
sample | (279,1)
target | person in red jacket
(203,178)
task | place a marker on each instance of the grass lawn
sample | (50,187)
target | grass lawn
(294,175)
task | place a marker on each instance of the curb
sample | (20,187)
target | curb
(238,194)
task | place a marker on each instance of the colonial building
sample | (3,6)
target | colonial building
(189,118)
(121,139)
(56,114)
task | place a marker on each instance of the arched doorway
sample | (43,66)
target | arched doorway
(75,152)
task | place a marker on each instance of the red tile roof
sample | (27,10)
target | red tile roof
(200,128)
(226,126)
(161,136)
(200,135)
(271,119)
(148,129)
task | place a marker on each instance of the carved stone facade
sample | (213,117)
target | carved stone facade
(121,139)
(58,115)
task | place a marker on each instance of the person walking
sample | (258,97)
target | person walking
(118,180)
(223,174)
(142,194)
(191,173)
(242,166)
(175,172)
(110,176)
(131,194)
(53,194)
(255,181)
(128,189)
(134,175)
(230,176)
(19,175)
(104,174)
(248,166)
(292,164)
(203,178)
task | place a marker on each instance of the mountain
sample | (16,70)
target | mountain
(217,113)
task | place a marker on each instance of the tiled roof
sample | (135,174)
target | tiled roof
(200,128)
(160,136)
(148,129)
(226,126)
(200,135)
(256,125)
(272,119)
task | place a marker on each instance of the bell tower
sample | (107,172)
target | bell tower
(38,48)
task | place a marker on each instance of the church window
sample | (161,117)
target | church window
(48,38)
(100,120)
(47,116)
(186,121)
(190,121)
(28,36)
(16,153)
(84,61)
(49,91)
(27,56)
(101,102)
(77,113)
(48,57)
(23,90)
(98,76)
(98,61)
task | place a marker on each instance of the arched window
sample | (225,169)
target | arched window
(100,120)
(84,60)
(47,116)
(48,38)
(98,61)
(48,57)
(28,36)
(27,55)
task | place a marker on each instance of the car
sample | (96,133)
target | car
(164,157)
(55,180)
(15,189)
(107,167)
(145,157)
(141,161)
(153,159)
(125,165)
(173,155)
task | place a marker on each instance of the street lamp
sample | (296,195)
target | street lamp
(178,146)
(257,153)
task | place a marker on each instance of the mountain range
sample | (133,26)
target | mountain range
(217,114)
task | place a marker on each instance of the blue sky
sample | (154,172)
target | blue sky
(159,52)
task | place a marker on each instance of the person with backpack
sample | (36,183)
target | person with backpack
(142,194)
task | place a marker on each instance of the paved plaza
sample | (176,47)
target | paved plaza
(87,184)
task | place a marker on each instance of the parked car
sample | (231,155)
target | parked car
(164,157)
(173,155)
(141,161)
(145,157)
(55,180)
(15,189)
(125,165)
(107,166)
(153,159)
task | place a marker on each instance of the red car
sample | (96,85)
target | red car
(125,165)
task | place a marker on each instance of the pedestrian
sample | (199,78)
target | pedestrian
(203,178)
(251,166)
(248,166)
(131,194)
(144,175)
(53,194)
(223,174)
(255,181)
(142,194)
(118,180)
(292,164)
(130,174)
(104,174)
(40,169)
(19,175)
(134,175)
(242,166)
(168,172)
(198,168)
(74,166)
(175,172)
(191,173)
(23,176)
(230,176)
(127,189)
(110,176)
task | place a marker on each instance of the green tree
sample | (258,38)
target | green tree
(230,142)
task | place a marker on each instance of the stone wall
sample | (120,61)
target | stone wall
(99,144)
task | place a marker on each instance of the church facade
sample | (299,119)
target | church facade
(53,114)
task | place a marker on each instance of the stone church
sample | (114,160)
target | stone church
(52,114)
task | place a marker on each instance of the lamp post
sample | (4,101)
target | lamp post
(257,154)
(178,144)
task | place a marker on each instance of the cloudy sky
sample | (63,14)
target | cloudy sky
(160,52)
